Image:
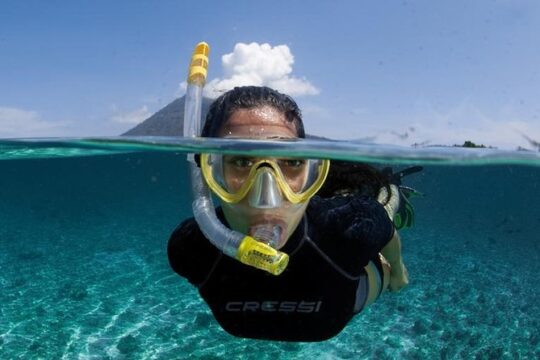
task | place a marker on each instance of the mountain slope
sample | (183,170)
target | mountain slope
(168,121)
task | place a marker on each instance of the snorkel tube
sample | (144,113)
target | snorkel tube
(234,244)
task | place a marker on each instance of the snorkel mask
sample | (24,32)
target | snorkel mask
(266,182)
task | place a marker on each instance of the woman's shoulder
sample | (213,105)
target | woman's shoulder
(190,254)
(186,231)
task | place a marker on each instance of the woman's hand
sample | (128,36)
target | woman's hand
(399,277)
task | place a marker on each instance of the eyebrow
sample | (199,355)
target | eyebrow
(281,137)
(275,137)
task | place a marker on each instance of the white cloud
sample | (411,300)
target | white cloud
(182,87)
(259,65)
(130,117)
(25,123)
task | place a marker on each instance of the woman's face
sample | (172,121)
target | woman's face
(259,123)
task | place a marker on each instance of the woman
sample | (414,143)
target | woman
(335,267)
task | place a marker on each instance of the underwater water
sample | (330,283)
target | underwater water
(84,271)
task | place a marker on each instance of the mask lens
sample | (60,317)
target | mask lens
(295,173)
(236,171)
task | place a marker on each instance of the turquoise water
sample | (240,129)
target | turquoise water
(83,234)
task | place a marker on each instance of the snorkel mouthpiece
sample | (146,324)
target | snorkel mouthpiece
(267,233)
(254,253)
(265,193)
(239,246)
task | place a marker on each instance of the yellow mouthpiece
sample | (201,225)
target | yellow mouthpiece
(254,253)
(199,64)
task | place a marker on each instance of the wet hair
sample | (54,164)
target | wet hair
(347,178)
(250,97)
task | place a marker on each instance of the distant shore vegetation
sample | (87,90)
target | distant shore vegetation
(470,144)
(466,144)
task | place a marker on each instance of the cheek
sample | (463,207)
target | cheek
(232,180)
(295,210)
(298,183)
(233,185)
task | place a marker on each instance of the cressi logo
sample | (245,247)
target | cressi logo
(274,306)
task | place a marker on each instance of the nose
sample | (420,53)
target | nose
(265,192)
(264,165)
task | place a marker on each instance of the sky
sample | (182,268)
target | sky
(395,72)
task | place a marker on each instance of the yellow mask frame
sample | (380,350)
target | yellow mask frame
(294,197)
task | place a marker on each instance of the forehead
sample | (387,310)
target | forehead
(261,122)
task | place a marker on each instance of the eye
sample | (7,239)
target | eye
(241,162)
(293,163)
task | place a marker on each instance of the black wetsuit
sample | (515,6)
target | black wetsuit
(321,289)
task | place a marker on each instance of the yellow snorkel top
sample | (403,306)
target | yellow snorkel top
(198,68)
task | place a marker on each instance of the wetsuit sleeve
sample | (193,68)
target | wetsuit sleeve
(353,230)
(190,254)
